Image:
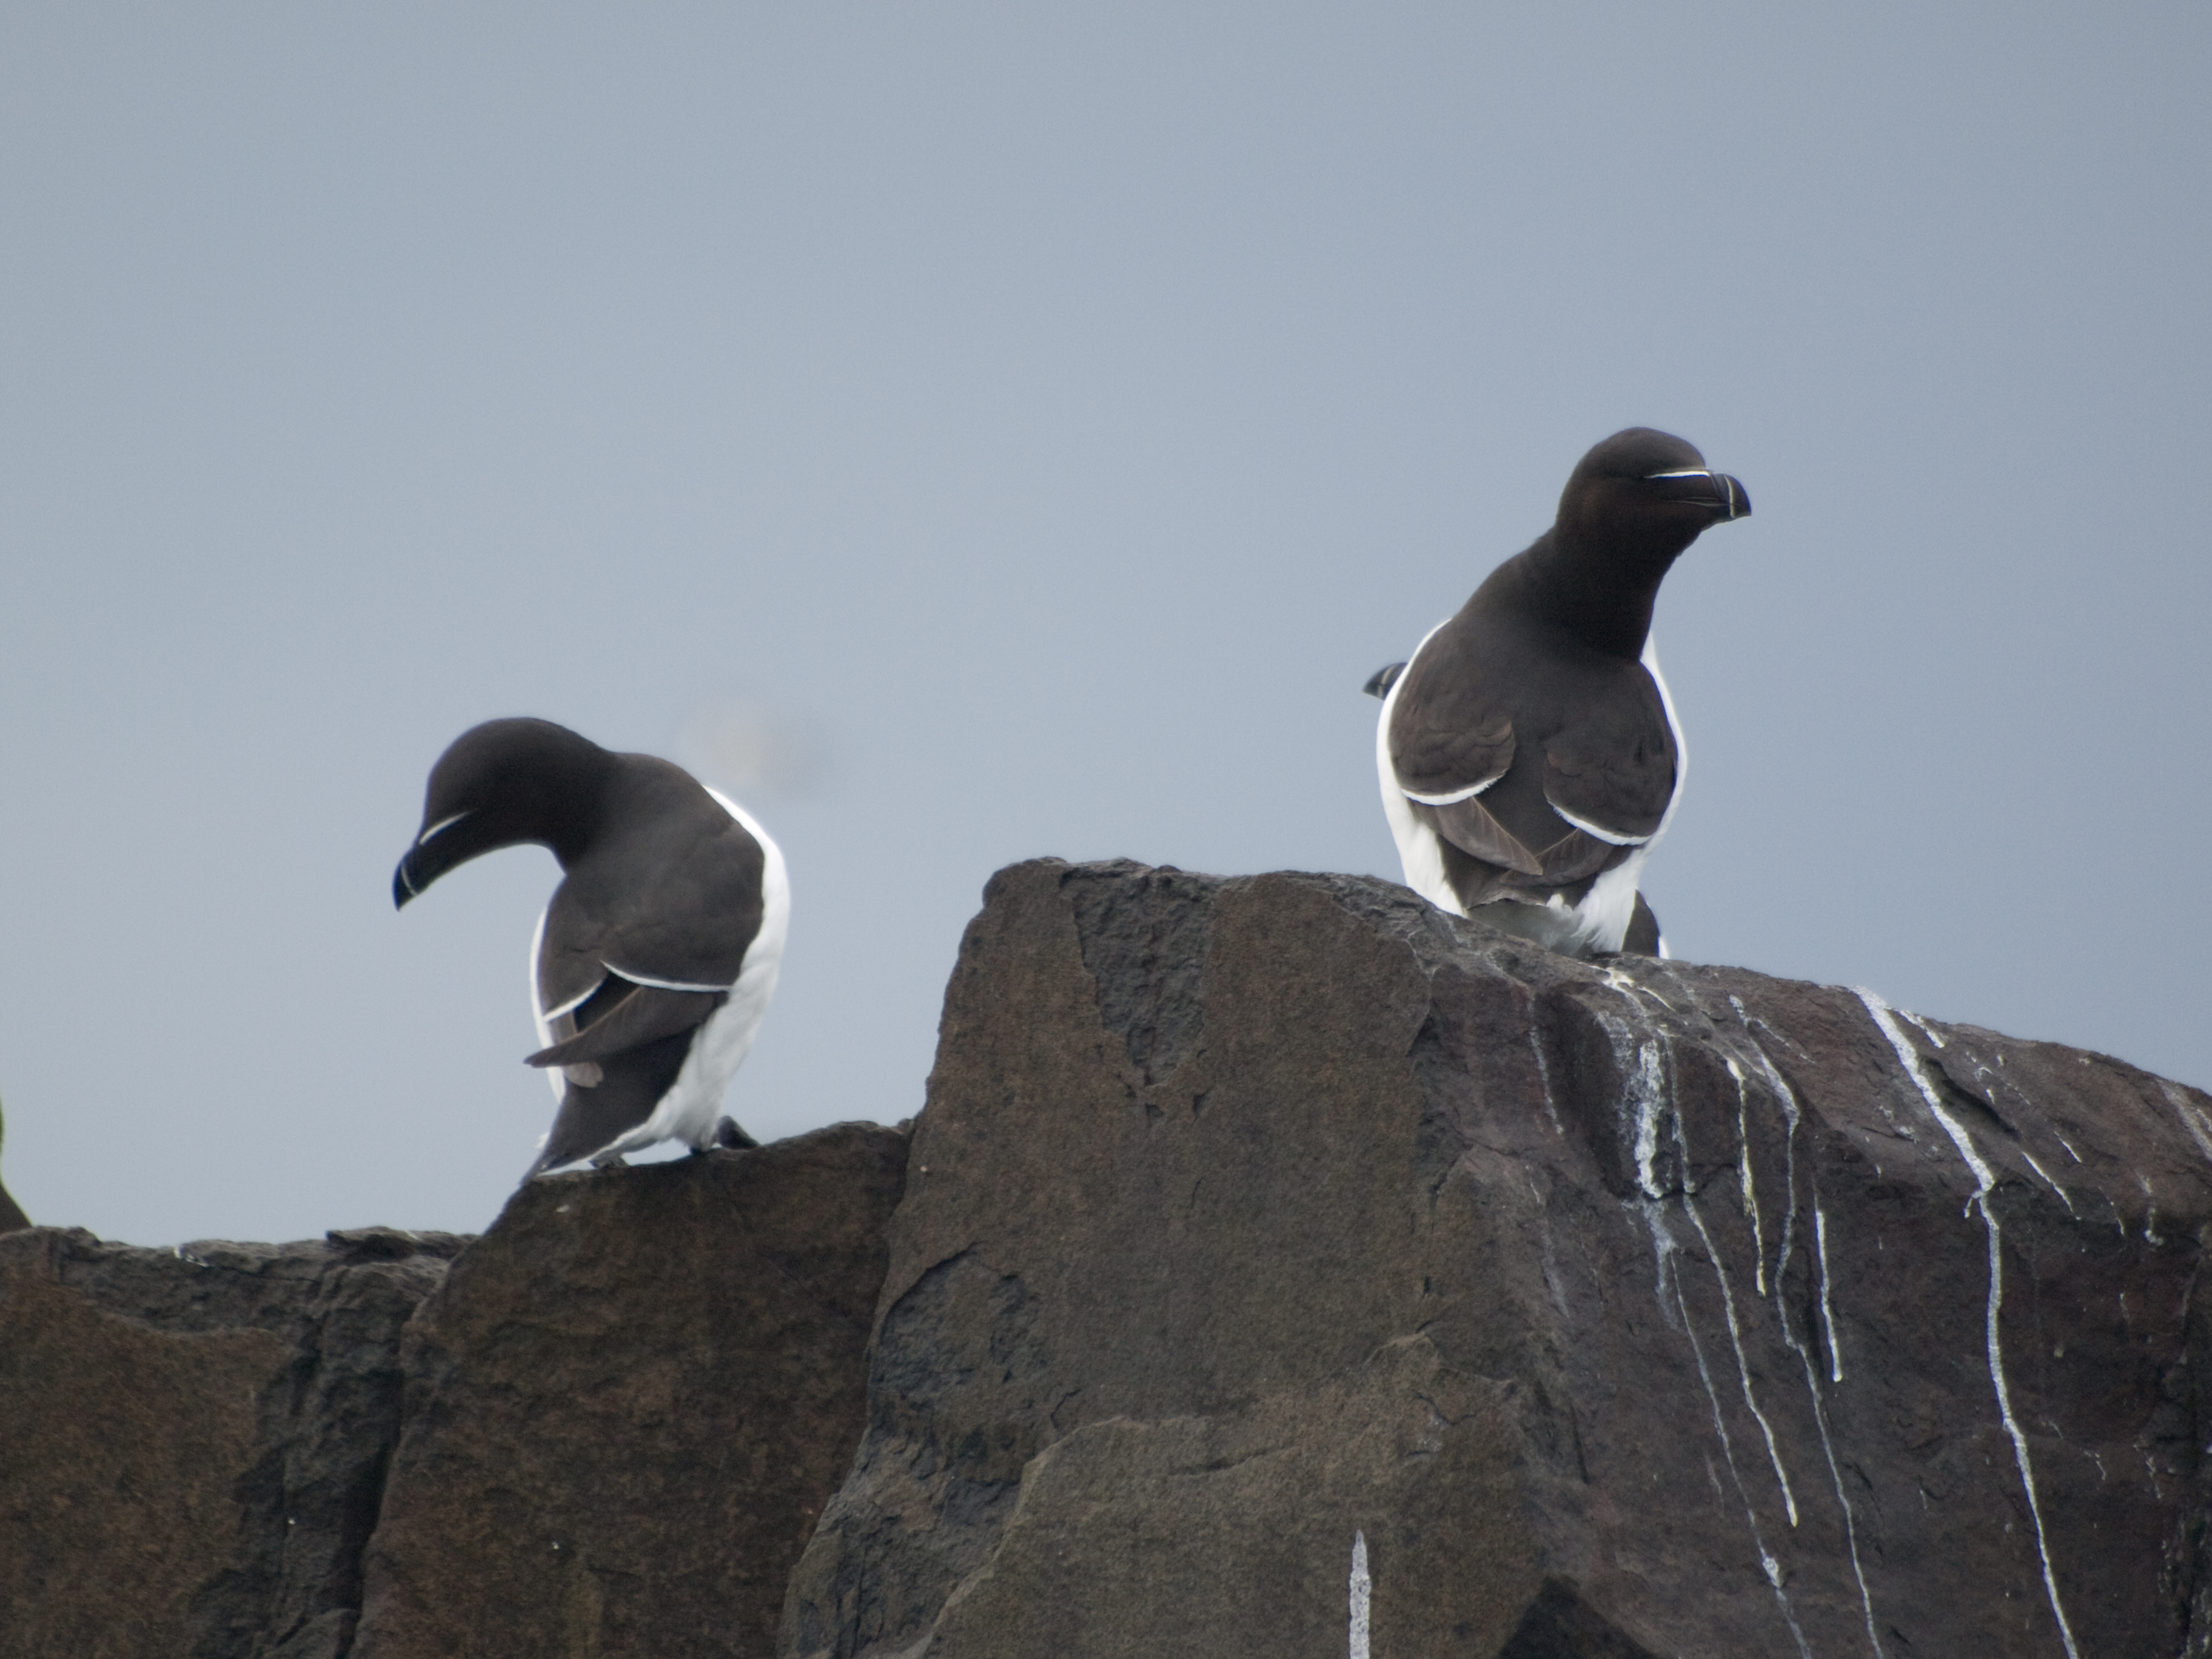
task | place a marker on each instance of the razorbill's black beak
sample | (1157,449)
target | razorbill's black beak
(1724,496)
(435,852)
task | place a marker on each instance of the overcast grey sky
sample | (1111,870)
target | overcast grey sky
(1033,422)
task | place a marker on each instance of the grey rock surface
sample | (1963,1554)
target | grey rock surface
(628,1404)
(1613,1309)
(1264,1242)
(193,1441)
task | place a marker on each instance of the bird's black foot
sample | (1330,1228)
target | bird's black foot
(610,1161)
(727,1133)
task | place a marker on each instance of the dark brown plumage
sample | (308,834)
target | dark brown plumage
(660,948)
(1527,749)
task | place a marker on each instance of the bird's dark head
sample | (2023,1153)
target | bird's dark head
(1649,493)
(505,783)
(1631,507)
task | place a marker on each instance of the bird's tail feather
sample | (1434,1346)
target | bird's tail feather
(630,1086)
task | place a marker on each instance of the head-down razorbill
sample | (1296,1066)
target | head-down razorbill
(656,958)
(1528,753)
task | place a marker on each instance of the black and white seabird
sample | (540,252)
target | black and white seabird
(656,958)
(1528,752)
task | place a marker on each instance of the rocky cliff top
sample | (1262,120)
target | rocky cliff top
(1256,1226)
(1278,1266)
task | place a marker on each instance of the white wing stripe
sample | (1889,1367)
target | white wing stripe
(1456,795)
(1611,838)
(547,1016)
(652,984)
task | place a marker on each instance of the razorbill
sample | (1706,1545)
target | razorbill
(653,964)
(1528,753)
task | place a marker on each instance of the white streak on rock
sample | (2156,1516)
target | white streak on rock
(1788,1098)
(1743,1165)
(1735,1341)
(1662,1269)
(2192,1117)
(1632,989)
(1361,1590)
(1713,1475)
(1664,1243)
(1926,1028)
(1642,1087)
(1552,1269)
(1827,1308)
(1909,1058)
(1835,1479)
(1544,1079)
(2156,1490)
(1647,1087)
(2049,1183)
(1750,1019)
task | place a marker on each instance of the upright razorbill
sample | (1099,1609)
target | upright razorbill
(1529,754)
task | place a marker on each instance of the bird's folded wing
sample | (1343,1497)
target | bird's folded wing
(1471,827)
(1576,856)
(643,1014)
(1451,732)
(1437,761)
(686,927)
(1611,773)
(1475,830)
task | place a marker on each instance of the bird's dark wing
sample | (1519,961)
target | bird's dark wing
(1475,830)
(622,1016)
(1451,732)
(676,904)
(1592,778)
(1451,739)
(629,1087)
(1610,770)
(1471,827)
(1434,762)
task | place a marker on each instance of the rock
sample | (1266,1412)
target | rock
(1616,1309)
(192,1441)
(1283,1268)
(622,1417)
(629,1401)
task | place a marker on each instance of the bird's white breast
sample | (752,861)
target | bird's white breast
(1421,854)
